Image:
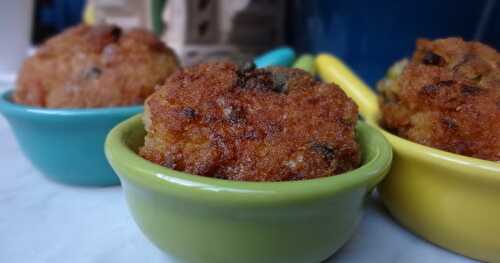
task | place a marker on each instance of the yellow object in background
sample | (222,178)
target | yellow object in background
(125,14)
(448,199)
(89,14)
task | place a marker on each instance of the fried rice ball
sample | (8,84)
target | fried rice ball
(447,96)
(94,66)
(241,123)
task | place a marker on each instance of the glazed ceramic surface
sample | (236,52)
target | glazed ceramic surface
(282,56)
(305,62)
(66,145)
(449,199)
(201,219)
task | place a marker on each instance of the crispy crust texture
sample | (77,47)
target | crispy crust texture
(94,66)
(447,97)
(240,123)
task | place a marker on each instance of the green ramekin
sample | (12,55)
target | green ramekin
(201,219)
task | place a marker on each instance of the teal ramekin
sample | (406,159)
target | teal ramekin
(66,145)
(207,220)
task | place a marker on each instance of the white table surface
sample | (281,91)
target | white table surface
(43,221)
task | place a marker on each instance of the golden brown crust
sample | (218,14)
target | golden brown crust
(94,66)
(277,124)
(448,97)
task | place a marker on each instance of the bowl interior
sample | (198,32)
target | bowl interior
(124,140)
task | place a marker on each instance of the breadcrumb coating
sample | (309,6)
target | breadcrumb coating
(447,97)
(94,66)
(241,123)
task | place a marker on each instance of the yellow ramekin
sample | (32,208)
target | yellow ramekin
(448,199)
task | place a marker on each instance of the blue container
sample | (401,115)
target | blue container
(66,145)
(371,35)
(282,56)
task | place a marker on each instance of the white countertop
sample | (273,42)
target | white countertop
(43,221)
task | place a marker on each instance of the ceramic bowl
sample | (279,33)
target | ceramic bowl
(281,56)
(448,199)
(306,63)
(201,219)
(66,145)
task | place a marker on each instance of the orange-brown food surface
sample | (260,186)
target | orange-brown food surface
(448,97)
(94,66)
(241,123)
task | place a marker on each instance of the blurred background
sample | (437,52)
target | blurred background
(369,35)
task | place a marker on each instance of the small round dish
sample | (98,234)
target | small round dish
(448,199)
(201,219)
(66,145)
